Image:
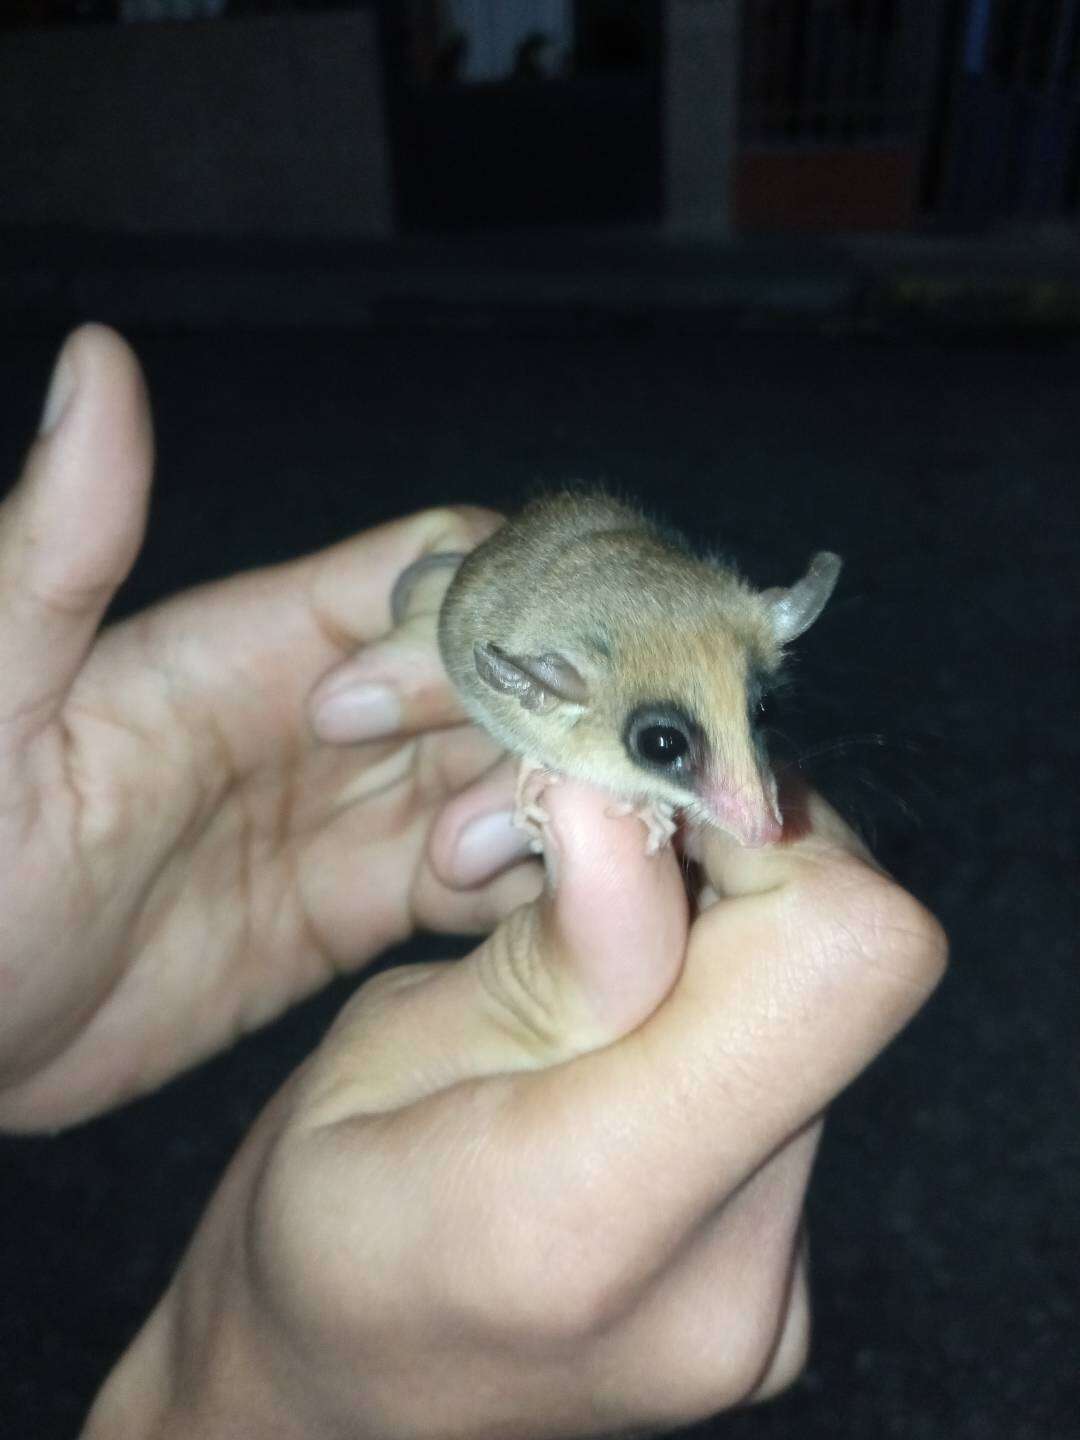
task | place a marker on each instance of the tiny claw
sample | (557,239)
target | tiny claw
(529,815)
(659,821)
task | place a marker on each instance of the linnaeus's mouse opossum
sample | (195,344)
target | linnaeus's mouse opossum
(595,644)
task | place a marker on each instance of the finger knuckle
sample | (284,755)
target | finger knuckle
(517,988)
(901,937)
(863,918)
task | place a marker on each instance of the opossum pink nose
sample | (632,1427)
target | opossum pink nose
(748,813)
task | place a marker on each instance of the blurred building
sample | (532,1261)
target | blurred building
(495,42)
(150,10)
(354,117)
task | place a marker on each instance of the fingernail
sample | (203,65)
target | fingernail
(487,845)
(358,712)
(61,388)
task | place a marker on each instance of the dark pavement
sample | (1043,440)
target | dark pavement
(1014,279)
(939,692)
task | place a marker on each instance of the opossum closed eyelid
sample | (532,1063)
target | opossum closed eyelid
(591,643)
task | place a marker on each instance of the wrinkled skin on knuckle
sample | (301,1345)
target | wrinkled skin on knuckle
(898,938)
(848,920)
(517,988)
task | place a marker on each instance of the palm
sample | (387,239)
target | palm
(179,857)
(201,859)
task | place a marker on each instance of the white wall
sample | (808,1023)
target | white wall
(701,66)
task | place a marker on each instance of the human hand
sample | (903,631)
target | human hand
(554,1189)
(180,855)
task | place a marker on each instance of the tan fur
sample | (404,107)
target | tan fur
(640,618)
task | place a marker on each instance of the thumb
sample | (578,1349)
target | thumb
(577,969)
(72,526)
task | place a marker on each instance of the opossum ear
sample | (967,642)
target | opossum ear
(539,682)
(795,610)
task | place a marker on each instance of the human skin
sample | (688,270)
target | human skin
(552,1189)
(180,857)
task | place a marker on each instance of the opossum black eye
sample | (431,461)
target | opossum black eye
(662,739)
(662,744)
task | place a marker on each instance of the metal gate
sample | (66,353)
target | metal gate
(476,143)
(1014,139)
(834,98)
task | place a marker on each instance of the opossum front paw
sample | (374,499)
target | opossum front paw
(529,815)
(657,816)
(659,821)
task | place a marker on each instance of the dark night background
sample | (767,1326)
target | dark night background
(869,341)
